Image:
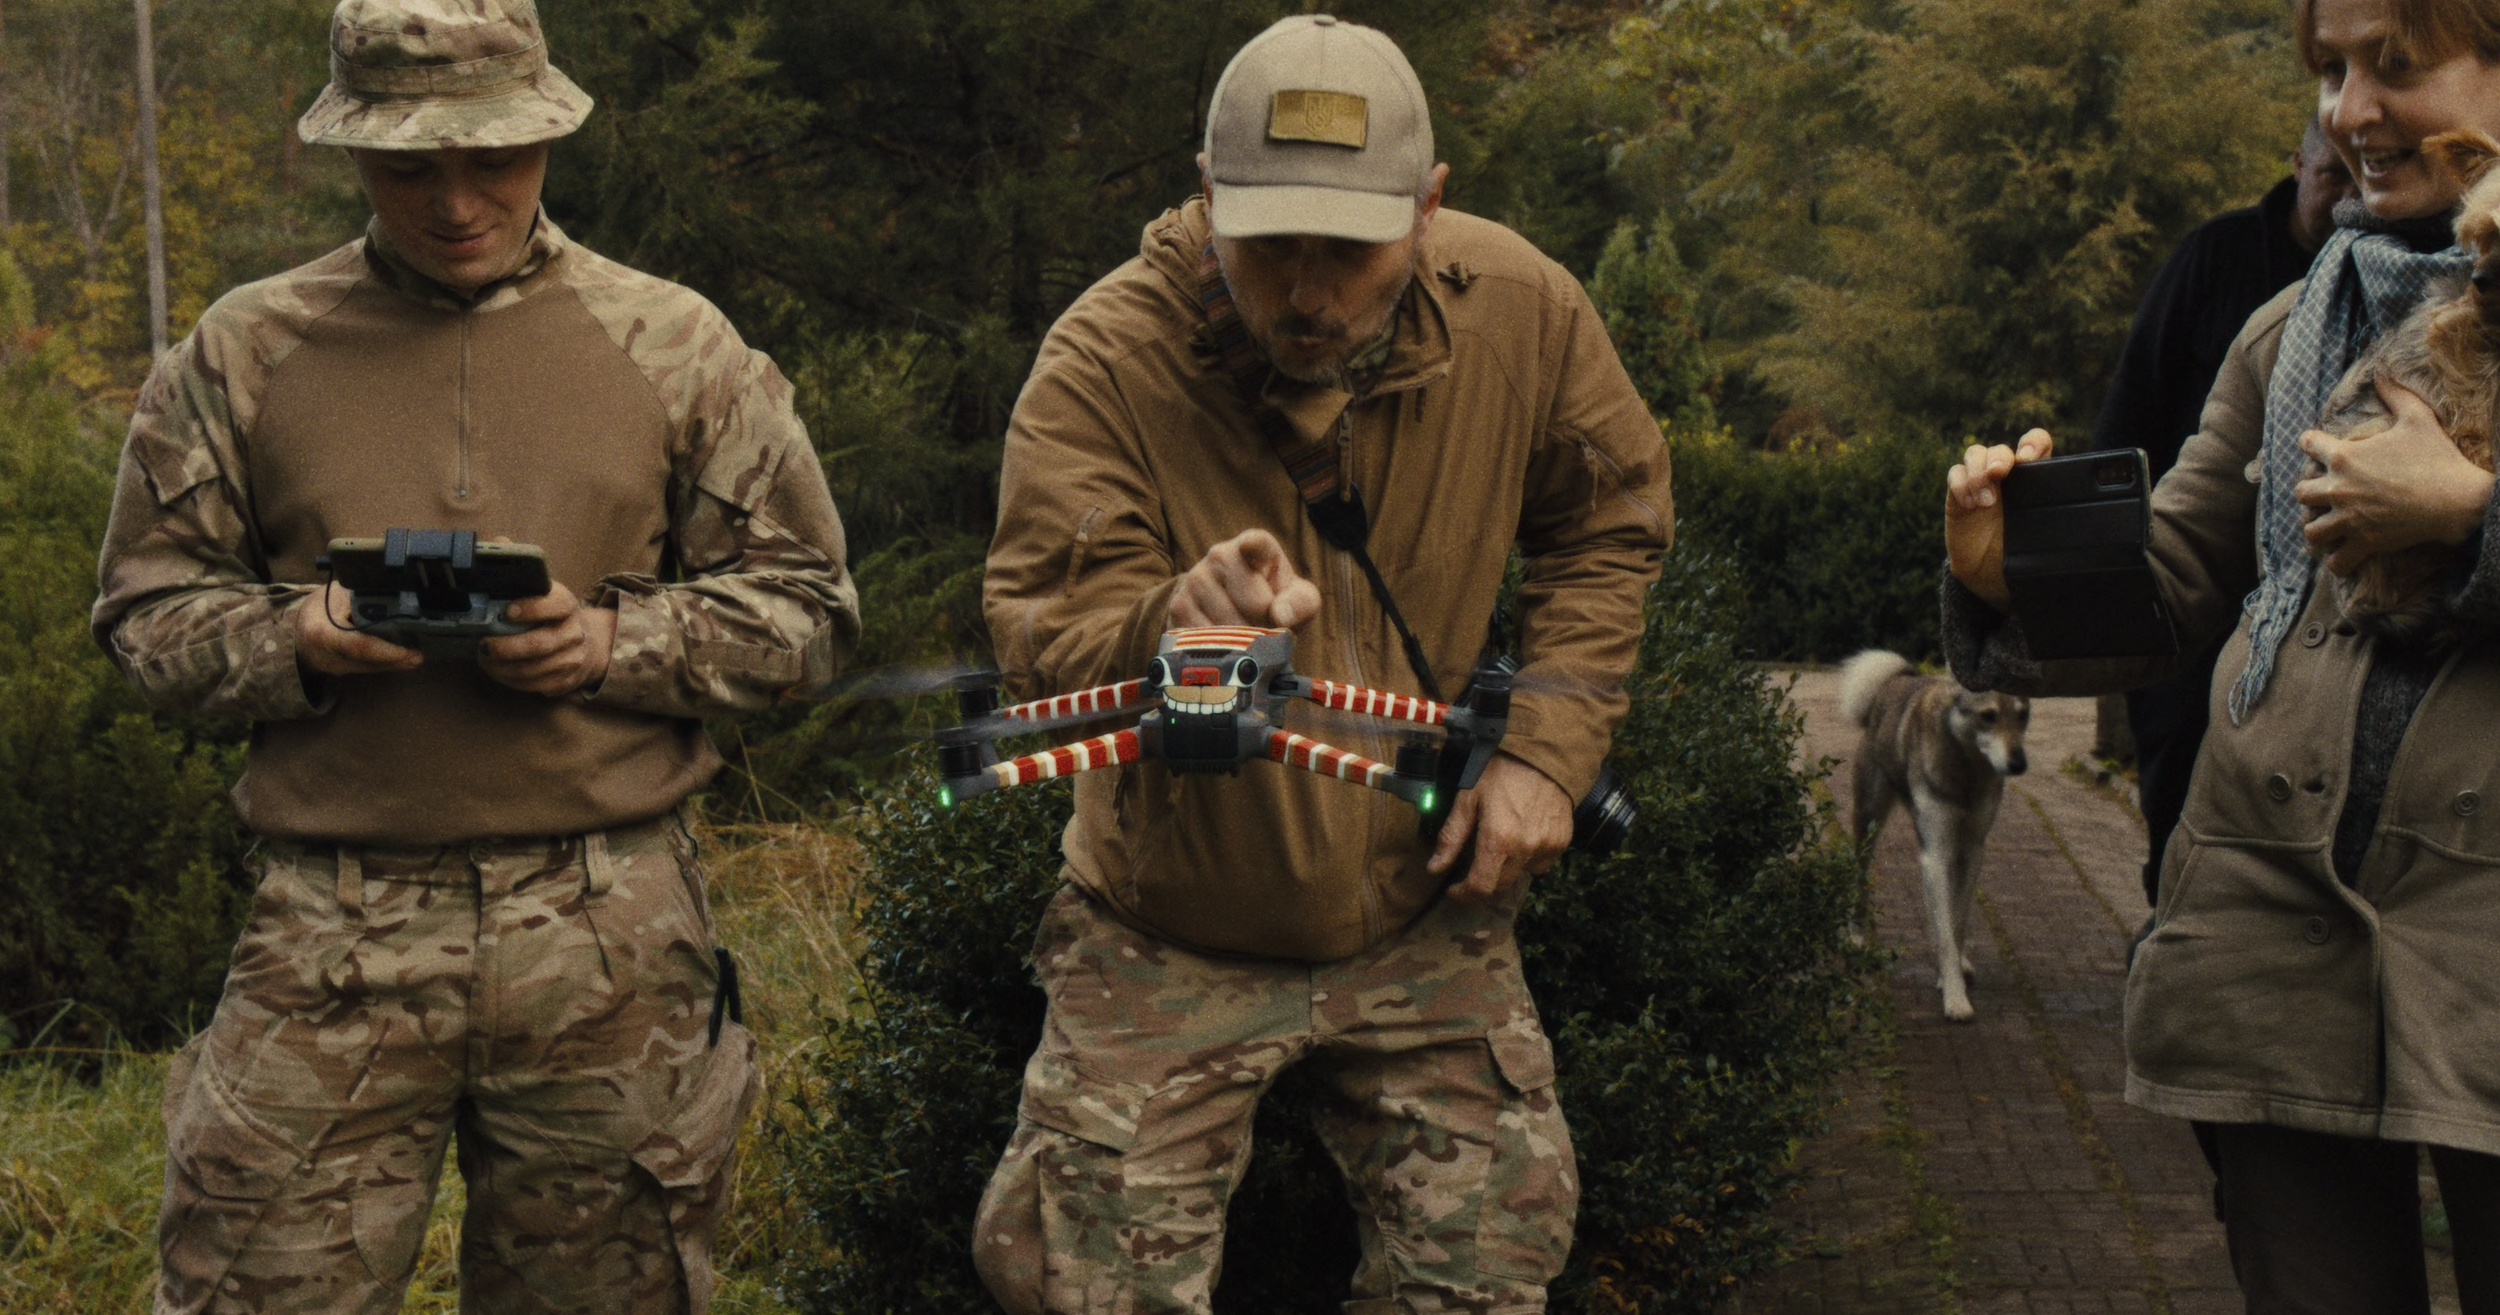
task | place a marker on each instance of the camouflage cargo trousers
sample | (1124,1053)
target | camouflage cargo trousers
(1135,1122)
(557,1001)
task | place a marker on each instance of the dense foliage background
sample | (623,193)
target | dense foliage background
(1700,985)
(1832,238)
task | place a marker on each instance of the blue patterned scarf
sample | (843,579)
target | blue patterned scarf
(2365,280)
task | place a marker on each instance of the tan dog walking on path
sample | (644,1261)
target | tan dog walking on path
(1943,752)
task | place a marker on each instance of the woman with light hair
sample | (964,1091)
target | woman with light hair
(2315,982)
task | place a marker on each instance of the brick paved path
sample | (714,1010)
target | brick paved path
(1992,1166)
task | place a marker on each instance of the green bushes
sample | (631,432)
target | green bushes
(1837,552)
(119,869)
(1698,985)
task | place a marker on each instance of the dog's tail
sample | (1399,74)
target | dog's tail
(1862,676)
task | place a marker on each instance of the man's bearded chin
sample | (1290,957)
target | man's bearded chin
(1307,369)
(1346,342)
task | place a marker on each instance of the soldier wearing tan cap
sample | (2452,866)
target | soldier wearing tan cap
(479,908)
(1312,358)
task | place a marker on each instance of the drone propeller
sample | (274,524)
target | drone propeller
(999,726)
(900,681)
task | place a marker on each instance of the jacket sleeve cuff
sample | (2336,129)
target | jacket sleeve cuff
(1985,647)
(640,674)
(249,671)
(276,686)
(1554,764)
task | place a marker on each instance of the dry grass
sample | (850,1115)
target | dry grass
(81,1160)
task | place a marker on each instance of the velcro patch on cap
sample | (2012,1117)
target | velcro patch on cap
(1337,118)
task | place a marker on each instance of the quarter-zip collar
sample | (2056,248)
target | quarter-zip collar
(545,246)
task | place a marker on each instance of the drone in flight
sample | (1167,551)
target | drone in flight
(1213,700)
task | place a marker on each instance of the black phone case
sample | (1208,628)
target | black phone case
(2075,534)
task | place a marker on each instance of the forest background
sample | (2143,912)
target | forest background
(1834,239)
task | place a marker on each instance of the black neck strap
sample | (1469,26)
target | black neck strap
(1334,505)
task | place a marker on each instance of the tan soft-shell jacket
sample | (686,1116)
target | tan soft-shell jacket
(2269,991)
(1502,415)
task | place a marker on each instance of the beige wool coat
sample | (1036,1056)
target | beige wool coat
(2269,991)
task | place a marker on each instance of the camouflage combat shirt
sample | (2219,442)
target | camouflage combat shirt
(612,418)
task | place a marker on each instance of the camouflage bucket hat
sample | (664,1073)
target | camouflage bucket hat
(415,75)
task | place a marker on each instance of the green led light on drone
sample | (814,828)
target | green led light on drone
(1427,801)
(946,796)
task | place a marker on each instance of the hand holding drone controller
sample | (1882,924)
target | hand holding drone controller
(566,649)
(323,645)
(411,594)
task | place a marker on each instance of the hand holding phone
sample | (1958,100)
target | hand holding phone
(1974,514)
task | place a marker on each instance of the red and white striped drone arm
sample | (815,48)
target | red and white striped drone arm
(1101,698)
(1312,756)
(1377,703)
(1066,760)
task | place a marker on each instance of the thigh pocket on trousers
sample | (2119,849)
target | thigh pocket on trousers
(222,1168)
(1532,1191)
(690,1150)
(1056,1219)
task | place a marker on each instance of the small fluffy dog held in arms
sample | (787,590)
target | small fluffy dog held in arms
(2447,351)
(1943,752)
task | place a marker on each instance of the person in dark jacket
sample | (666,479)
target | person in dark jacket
(2224,270)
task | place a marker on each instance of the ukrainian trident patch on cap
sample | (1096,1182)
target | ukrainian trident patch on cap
(1337,118)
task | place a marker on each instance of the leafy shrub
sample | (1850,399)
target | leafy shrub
(920,612)
(1837,551)
(1698,986)
(121,873)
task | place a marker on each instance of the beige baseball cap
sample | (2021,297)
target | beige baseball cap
(1318,127)
(412,75)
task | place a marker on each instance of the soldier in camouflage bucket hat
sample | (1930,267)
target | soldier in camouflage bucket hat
(412,74)
(480,905)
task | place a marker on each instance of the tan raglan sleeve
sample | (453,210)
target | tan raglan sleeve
(764,600)
(185,607)
(1596,519)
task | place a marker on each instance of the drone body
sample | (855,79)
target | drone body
(1212,700)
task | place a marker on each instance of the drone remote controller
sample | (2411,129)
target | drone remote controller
(440,592)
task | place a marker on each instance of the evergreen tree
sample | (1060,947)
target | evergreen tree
(1646,299)
(1957,202)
